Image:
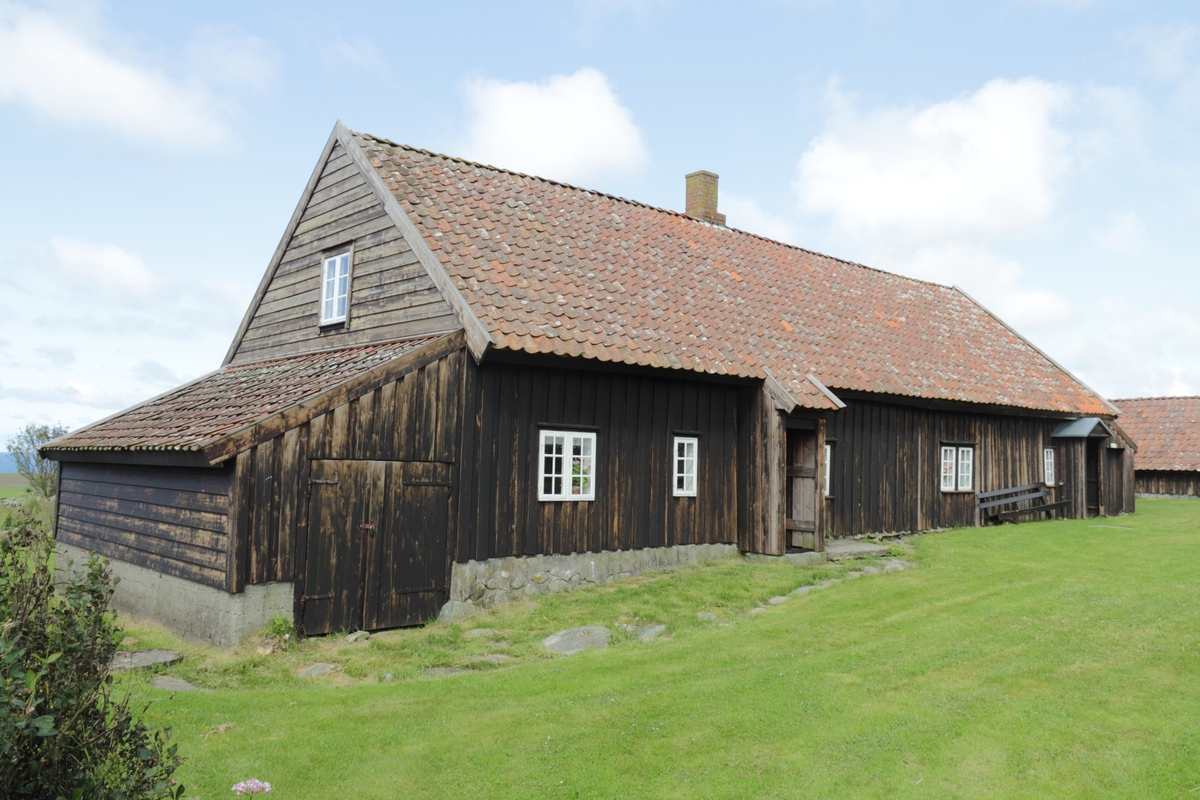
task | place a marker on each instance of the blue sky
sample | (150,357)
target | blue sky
(1042,155)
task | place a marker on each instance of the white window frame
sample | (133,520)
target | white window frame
(559,454)
(335,287)
(1048,466)
(684,471)
(957,468)
(828,490)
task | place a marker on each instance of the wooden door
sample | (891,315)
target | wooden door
(1091,470)
(406,566)
(376,545)
(801,487)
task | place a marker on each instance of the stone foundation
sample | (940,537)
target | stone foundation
(190,610)
(483,584)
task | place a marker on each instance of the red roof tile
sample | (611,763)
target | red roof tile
(551,268)
(223,402)
(1166,429)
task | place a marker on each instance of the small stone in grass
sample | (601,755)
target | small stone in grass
(172,684)
(871,570)
(777,600)
(804,590)
(388,678)
(492,658)
(648,633)
(757,610)
(575,640)
(358,636)
(706,615)
(443,672)
(316,670)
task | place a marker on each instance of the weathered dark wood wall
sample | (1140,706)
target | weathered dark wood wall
(169,519)
(1185,484)
(414,418)
(391,295)
(635,418)
(886,461)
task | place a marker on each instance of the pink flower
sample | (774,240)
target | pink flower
(252,786)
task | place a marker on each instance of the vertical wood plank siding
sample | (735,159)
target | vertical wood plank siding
(173,520)
(391,295)
(1184,484)
(414,418)
(635,418)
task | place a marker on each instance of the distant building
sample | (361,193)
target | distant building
(1167,431)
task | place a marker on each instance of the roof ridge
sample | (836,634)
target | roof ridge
(640,204)
(310,353)
(1158,397)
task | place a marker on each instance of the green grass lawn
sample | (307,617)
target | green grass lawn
(1042,660)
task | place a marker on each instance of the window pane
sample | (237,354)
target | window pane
(966,458)
(828,470)
(948,469)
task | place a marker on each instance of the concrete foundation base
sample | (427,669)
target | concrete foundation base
(191,610)
(483,584)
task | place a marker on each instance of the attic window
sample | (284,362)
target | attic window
(335,288)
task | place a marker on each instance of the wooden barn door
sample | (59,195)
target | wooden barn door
(376,545)
(801,490)
(406,566)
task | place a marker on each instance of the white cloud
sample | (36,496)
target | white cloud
(567,127)
(103,265)
(61,72)
(358,53)
(980,165)
(746,214)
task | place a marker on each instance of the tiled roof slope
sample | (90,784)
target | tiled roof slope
(198,413)
(1166,429)
(551,268)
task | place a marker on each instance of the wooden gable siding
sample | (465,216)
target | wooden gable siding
(413,418)
(1182,484)
(172,520)
(391,294)
(886,461)
(635,418)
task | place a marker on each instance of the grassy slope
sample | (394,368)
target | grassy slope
(1047,659)
(12,485)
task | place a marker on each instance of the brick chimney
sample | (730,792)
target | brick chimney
(702,197)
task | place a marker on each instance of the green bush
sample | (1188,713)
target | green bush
(62,733)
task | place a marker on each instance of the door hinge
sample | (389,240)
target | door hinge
(307,597)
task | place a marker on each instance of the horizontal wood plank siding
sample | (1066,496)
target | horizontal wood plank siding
(635,419)
(169,519)
(391,295)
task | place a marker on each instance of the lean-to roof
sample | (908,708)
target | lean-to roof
(199,414)
(551,268)
(1166,429)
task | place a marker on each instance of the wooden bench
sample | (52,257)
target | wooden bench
(989,503)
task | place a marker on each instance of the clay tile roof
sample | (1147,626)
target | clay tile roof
(552,268)
(222,402)
(1166,429)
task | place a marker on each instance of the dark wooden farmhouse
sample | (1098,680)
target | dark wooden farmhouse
(1167,430)
(458,383)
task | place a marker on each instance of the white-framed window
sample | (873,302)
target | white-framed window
(685,450)
(1048,465)
(958,469)
(567,466)
(828,469)
(335,288)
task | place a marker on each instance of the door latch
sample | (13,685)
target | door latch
(369,527)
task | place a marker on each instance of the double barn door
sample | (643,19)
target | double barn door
(376,544)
